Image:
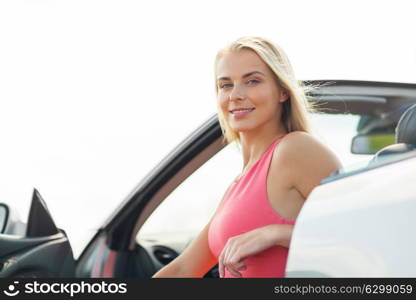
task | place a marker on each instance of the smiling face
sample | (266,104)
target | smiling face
(248,94)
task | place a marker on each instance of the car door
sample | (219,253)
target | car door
(113,252)
(38,249)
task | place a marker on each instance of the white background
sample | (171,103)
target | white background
(94,93)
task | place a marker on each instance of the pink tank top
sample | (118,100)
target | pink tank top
(246,207)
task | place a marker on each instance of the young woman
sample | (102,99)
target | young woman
(262,107)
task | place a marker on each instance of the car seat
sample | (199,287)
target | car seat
(405,136)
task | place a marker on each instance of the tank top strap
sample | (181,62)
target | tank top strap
(264,163)
(260,168)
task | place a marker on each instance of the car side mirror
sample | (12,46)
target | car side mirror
(371,143)
(4,216)
(40,222)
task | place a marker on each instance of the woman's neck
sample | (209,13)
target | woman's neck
(253,145)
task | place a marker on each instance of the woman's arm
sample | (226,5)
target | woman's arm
(195,261)
(250,243)
(305,161)
(279,234)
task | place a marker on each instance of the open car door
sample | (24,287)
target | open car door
(42,251)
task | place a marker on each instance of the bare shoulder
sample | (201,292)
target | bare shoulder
(305,160)
(299,138)
(302,145)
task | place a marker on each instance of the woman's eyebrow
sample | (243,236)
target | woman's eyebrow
(244,76)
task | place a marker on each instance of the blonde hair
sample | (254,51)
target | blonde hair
(295,108)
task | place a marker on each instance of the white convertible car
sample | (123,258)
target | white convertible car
(359,225)
(362,223)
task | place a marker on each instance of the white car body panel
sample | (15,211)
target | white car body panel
(359,226)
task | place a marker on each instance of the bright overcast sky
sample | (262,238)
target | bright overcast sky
(94,93)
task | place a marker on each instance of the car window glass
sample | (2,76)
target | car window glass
(190,206)
(336,131)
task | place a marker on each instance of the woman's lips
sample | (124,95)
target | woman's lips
(241,113)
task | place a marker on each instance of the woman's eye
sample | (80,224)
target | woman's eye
(253,81)
(225,85)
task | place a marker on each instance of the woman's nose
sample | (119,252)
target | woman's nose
(237,93)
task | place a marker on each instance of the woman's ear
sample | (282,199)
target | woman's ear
(283,96)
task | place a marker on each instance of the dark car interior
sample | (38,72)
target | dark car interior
(405,136)
(403,147)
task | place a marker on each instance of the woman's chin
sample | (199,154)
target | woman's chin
(242,125)
(241,128)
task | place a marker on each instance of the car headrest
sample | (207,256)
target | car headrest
(397,149)
(406,127)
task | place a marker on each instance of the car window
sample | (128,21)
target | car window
(363,167)
(337,131)
(190,206)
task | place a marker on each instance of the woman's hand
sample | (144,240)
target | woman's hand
(252,242)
